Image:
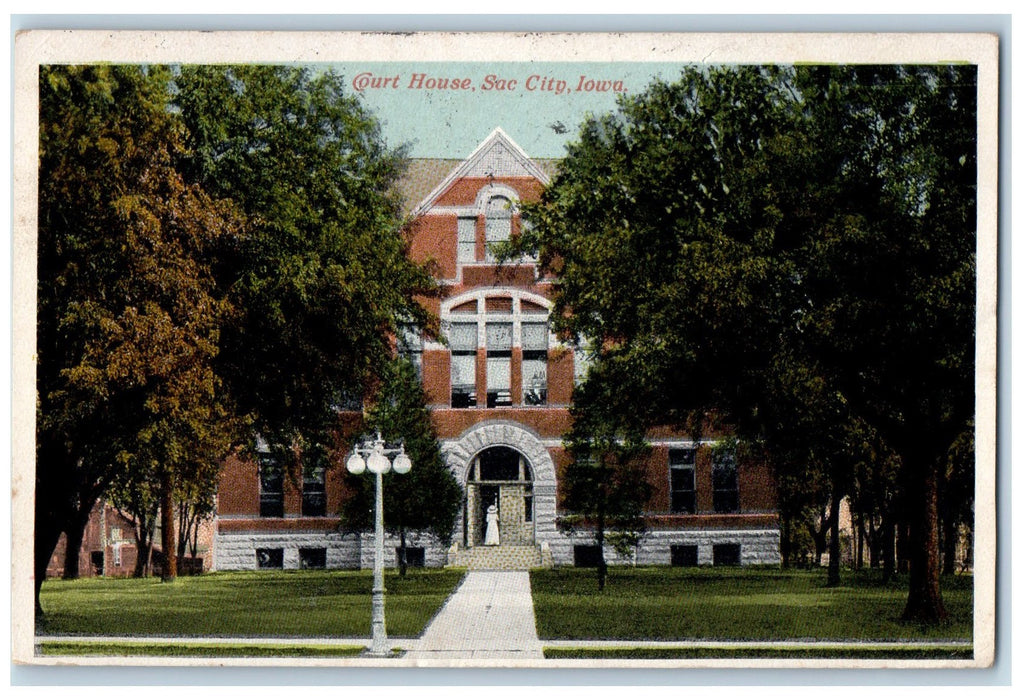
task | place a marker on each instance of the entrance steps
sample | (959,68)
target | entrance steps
(500,558)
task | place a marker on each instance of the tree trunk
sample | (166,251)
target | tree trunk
(47,535)
(182,530)
(785,542)
(601,562)
(834,565)
(861,540)
(143,547)
(874,544)
(904,544)
(168,527)
(820,537)
(925,603)
(403,555)
(74,534)
(950,547)
(888,536)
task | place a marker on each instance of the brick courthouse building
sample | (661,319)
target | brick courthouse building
(499,394)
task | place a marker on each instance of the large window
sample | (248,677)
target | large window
(534,360)
(466,239)
(314,483)
(683,480)
(409,346)
(271,486)
(498,224)
(498,364)
(725,482)
(515,334)
(463,340)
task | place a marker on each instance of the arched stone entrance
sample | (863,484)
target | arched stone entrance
(504,463)
(499,477)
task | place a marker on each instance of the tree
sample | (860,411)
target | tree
(604,488)
(127,319)
(189,290)
(742,219)
(428,497)
(323,274)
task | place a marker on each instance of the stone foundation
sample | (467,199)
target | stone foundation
(237,551)
(757,547)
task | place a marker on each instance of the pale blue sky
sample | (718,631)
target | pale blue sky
(451,123)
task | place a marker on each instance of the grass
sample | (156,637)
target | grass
(198,650)
(907,652)
(244,604)
(736,604)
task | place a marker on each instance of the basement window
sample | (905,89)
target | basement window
(729,554)
(312,558)
(270,558)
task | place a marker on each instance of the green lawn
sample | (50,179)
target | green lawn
(735,604)
(934,652)
(198,650)
(245,604)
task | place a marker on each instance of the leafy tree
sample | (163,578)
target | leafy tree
(604,486)
(428,497)
(127,318)
(323,273)
(740,221)
(172,322)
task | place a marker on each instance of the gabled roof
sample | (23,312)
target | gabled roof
(498,156)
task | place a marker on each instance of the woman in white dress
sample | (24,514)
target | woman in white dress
(492,526)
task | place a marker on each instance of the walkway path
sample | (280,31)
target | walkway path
(489,617)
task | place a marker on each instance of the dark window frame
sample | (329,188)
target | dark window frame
(685,555)
(727,554)
(314,466)
(682,474)
(464,395)
(724,473)
(312,557)
(271,486)
(268,558)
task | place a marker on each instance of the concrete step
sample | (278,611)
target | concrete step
(499,558)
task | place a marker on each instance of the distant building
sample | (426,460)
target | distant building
(109,549)
(499,393)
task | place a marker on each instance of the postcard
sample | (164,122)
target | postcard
(505,350)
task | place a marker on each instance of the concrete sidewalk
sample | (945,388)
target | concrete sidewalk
(489,617)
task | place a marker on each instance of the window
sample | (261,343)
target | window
(500,464)
(528,504)
(466,239)
(534,361)
(414,556)
(271,487)
(587,555)
(684,555)
(463,340)
(727,554)
(314,464)
(515,332)
(312,558)
(270,558)
(409,346)
(498,224)
(498,364)
(683,480)
(725,483)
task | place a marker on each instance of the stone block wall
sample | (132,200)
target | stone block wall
(757,547)
(237,551)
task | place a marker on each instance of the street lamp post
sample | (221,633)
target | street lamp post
(377,458)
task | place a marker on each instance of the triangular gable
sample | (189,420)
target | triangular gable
(498,156)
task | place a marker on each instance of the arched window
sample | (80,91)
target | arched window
(500,322)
